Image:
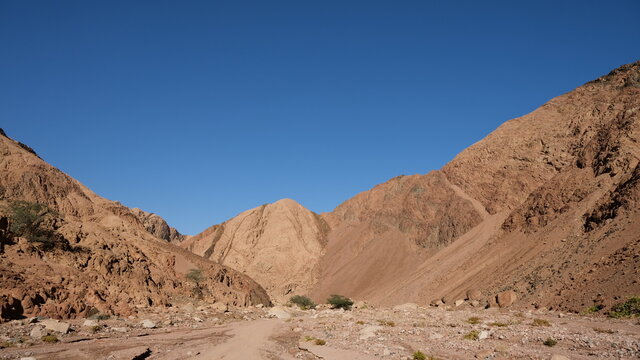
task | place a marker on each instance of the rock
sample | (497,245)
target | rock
(37,332)
(474,303)
(406,307)
(279,312)
(148,324)
(459,302)
(474,294)
(260,306)
(369,331)
(436,302)
(435,336)
(195,318)
(28,358)
(120,329)
(89,323)
(446,300)
(558,357)
(484,334)
(140,352)
(221,307)
(506,298)
(55,325)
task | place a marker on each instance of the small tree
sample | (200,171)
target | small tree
(195,275)
(35,222)
(303,302)
(339,302)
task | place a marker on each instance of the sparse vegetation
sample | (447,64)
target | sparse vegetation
(498,324)
(95,328)
(474,320)
(50,339)
(550,342)
(604,331)
(629,308)
(100,316)
(419,355)
(319,342)
(540,322)
(36,223)
(592,309)
(340,302)
(473,335)
(386,323)
(360,322)
(6,344)
(303,302)
(195,276)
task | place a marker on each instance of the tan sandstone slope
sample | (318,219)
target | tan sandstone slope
(278,245)
(97,255)
(546,205)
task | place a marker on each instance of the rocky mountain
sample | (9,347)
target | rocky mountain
(66,252)
(157,226)
(545,206)
(278,245)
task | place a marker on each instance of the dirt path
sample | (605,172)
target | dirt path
(239,340)
(247,341)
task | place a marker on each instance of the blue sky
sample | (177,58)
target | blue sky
(198,110)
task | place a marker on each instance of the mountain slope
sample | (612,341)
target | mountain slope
(277,244)
(96,255)
(559,187)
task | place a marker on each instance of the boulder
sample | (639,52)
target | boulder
(148,324)
(90,323)
(558,357)
(279,312)
(459,302)
(474,294)
(140,352)
(506,298)
(37,332)
(57,326)
(360,305)
(484,334)
(219,306)
(436,302)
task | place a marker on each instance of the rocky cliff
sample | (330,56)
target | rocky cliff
(68,252)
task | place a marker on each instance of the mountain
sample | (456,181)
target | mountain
(67,252)
(547,205)
(278,245)
(157,226)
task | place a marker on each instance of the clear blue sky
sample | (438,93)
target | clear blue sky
(198,110)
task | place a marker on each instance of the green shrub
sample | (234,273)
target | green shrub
(29,220)
(319,342)
(474,320)
(419,355)
(592,309)
(540,322)
(550,342)
(50,339)
(195,276)
(303,302)
(386,323)
(339,302)
(628,308)
(473,335)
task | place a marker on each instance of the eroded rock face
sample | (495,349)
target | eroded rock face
(278,245)
(102,258)
(157,226)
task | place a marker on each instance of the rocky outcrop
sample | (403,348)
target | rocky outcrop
(157,226)
(96,255)
(278,245)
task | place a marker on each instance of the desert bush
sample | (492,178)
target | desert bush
(473,335)
(33,222)
(419,355)
(474,320)
(50,339)
(303,302)
(195,276)
(499,324)
(339,302)
(386,323)
(592,309)
(540,322)
(319,342)
(550,342)
(628,308)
